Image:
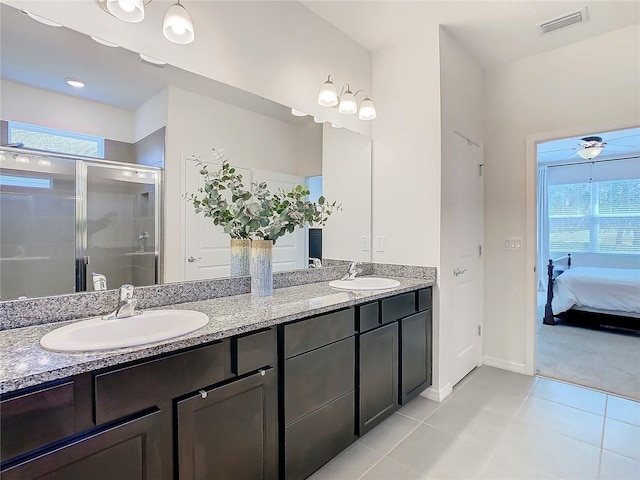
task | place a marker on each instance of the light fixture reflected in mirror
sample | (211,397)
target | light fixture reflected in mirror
(74,82)
(318,120)
(44,162)
(24,159)
(177,26)
(298,113)
(151,60)
(104,42)
(38,18)
(346,101)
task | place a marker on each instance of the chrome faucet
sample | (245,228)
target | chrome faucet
(126,305)
(315,263)
(352,271)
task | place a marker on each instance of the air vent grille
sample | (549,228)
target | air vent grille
(564,21)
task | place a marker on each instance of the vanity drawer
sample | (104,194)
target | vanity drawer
(253,351)
(35,419)
(315,332)
(399,306)
(318,377)
(315,439)
(424,299)
(132,389)
(368,316)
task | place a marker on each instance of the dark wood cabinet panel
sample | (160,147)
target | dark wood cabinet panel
(378,376)
(318,437)
(315,332)
(126,451)
(134,388)
(36,418)
(397,307)
(253,351)
(368,317)
(415,348)
(230,432)
(425,299)
(318,377)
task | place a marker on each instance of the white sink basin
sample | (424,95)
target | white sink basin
(365,283)
(98,334)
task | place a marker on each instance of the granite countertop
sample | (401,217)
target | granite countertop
(24,363)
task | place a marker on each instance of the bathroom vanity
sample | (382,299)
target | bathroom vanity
(271,388)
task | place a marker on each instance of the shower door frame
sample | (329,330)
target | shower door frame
(82,259)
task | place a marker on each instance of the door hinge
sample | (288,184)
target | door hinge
(479,330)
(479,250)
(480,169)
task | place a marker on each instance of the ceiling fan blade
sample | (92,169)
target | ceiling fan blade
(622,147)
(620,138)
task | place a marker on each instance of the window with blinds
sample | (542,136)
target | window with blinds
(596,214)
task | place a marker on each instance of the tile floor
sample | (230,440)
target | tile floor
(500,425)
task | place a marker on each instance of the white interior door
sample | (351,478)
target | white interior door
(289,252)
(466,199)
(207,250)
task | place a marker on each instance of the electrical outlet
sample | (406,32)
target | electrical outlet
(365,243)
(380,244)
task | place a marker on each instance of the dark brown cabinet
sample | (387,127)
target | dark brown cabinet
(130,450)
(230,431)
(415,348)
(318,410)
(378,376)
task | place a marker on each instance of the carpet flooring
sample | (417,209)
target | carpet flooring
(597,359)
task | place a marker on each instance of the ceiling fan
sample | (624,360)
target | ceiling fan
(593,145)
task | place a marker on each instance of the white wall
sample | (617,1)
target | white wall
(346,178)
(461,111)
(549,93)
(22,103)
(278,50)
(406,160)
(249,140)
(152,114)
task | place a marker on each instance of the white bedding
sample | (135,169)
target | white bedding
(609,289)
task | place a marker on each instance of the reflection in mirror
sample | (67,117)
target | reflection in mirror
(181,115)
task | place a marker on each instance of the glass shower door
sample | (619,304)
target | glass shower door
(37,225)
(119,236)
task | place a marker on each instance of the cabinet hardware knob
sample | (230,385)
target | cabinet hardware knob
(193,259)
(263,372)
(203,393)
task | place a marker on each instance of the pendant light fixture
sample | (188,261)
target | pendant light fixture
(346,101)
(127,10)
(177,26)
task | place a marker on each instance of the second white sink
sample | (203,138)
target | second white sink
(98,334)
(365,283)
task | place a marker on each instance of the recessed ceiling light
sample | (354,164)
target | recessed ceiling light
(298,113)
(104,42)
(151,60)
(74,82)
(40,19)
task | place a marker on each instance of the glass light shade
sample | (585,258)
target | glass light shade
(151,60)
(335,125)
(367,110)
(104,42)
(44,162)
(74,82)
(318,120)
(590,152)
(21,158)
(127,10)
(298,113)
(348,103)
(177,26)
(328,96)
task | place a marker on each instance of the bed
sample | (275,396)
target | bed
(592,296)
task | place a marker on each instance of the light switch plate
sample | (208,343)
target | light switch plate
(365,243)
(513,243)
(380,243)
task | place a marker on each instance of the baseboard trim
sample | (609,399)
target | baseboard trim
(505,365)
(438,395)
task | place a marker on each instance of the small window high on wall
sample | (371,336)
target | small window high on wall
(53,140)
(595,207)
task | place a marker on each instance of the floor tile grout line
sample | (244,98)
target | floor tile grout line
(604,426)
(571,406)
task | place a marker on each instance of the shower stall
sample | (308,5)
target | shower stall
(72,224)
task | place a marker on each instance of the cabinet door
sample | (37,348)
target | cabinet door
(415,348)
(126,451)
(230,432)
(378,376)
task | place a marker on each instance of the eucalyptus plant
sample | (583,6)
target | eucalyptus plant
(255,212)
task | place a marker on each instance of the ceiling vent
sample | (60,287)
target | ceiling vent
(572,18)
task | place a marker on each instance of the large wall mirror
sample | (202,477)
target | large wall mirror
(154,119)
